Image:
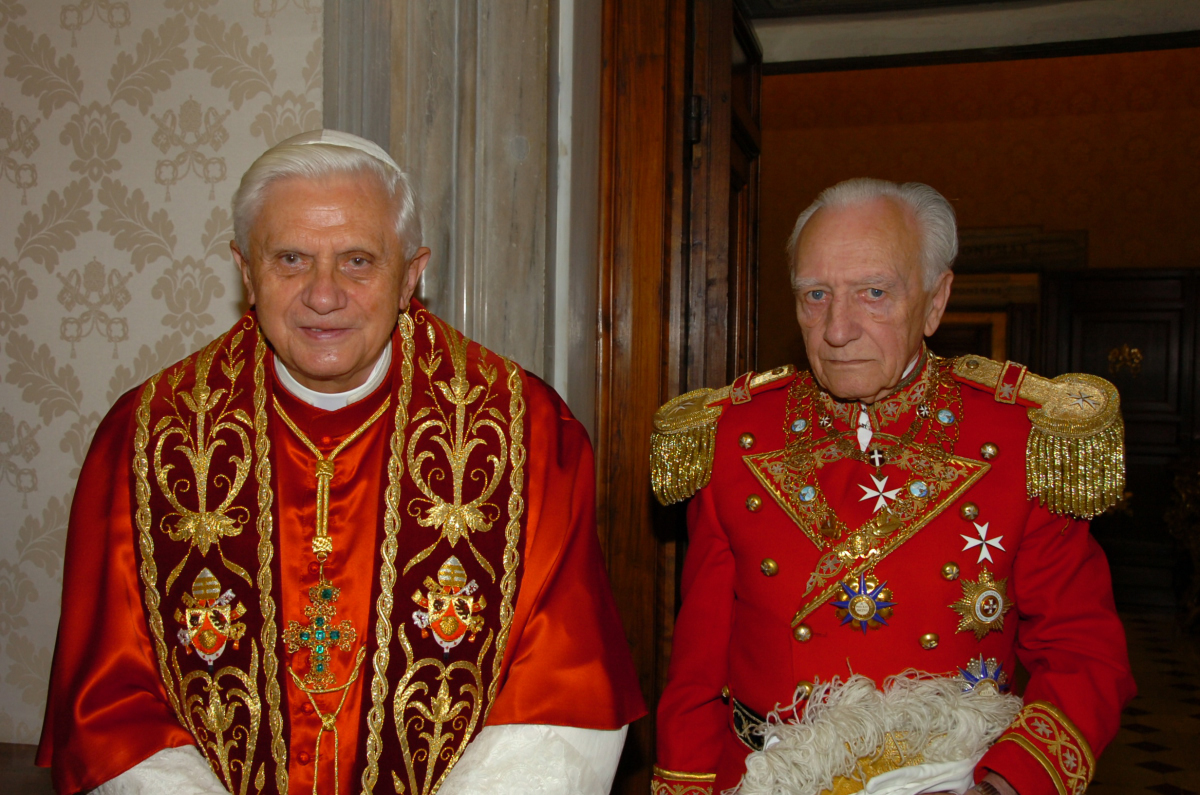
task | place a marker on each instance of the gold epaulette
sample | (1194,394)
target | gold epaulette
(1075,458)
(685,430)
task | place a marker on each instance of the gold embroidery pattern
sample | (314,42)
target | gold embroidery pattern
(210,719)
(201,436)
(516,508)
(387,567)
(1051,738)
(445,722)
(672,782)
(266,551)
(457,432)
(924,450)
(430,717)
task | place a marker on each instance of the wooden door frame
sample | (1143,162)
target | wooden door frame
(666,298)
(640,321)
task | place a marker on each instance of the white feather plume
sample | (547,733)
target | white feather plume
(844,722)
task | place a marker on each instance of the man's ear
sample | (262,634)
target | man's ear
(412,276)
(939,296)
(244,267)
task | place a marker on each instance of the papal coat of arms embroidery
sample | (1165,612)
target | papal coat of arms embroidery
(450,611)
(209,618)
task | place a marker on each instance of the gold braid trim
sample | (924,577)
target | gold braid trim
(673,782)
(266,551)
(1075,456)
(1054,741)
(685,432)
(387,566)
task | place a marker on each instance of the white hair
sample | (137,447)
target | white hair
(934,216)
(312,157)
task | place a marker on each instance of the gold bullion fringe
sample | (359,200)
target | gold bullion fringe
(681,461)
(1083,477)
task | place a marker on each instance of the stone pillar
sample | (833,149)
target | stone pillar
(494,109)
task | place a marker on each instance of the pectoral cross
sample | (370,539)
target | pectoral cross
(320,635)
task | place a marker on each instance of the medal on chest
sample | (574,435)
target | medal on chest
(859,496)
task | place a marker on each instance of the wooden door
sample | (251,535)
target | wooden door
(1137,329)
(679,176)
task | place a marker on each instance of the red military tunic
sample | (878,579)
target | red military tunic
(764,608)
(107,709)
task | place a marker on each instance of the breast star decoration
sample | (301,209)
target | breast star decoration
(983,605)
(868,605)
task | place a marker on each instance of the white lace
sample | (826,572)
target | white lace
(551,760)
(179,771)
(502,760)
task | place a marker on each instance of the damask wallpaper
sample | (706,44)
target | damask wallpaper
(124,127)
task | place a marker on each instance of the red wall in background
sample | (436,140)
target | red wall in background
(1106,143)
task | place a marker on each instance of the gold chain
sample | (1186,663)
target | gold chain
(322,545)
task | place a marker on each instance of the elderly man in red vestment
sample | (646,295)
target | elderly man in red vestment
(876,544)
(341,548)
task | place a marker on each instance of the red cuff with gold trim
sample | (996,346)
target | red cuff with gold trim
(672,782)
(1041,753)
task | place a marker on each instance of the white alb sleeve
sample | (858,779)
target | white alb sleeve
(178,771)
(518,759)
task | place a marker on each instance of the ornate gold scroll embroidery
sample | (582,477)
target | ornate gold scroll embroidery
(516,507)
(434,722)
(445,722)
(208,424)
(457,432)
(1050,737)
(210,718)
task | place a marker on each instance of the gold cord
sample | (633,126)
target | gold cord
(322,545)
(328,720)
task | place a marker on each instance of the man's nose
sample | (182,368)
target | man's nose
(324,294)
(841,324)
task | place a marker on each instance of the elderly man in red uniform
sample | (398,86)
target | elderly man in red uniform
(877,544)
(342,548)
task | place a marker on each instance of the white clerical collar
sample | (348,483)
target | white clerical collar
(332,401)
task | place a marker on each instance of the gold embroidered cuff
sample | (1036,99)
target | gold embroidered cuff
(674,782)
(1050,737)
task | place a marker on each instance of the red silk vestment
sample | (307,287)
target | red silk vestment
(546,644)
(762,580)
